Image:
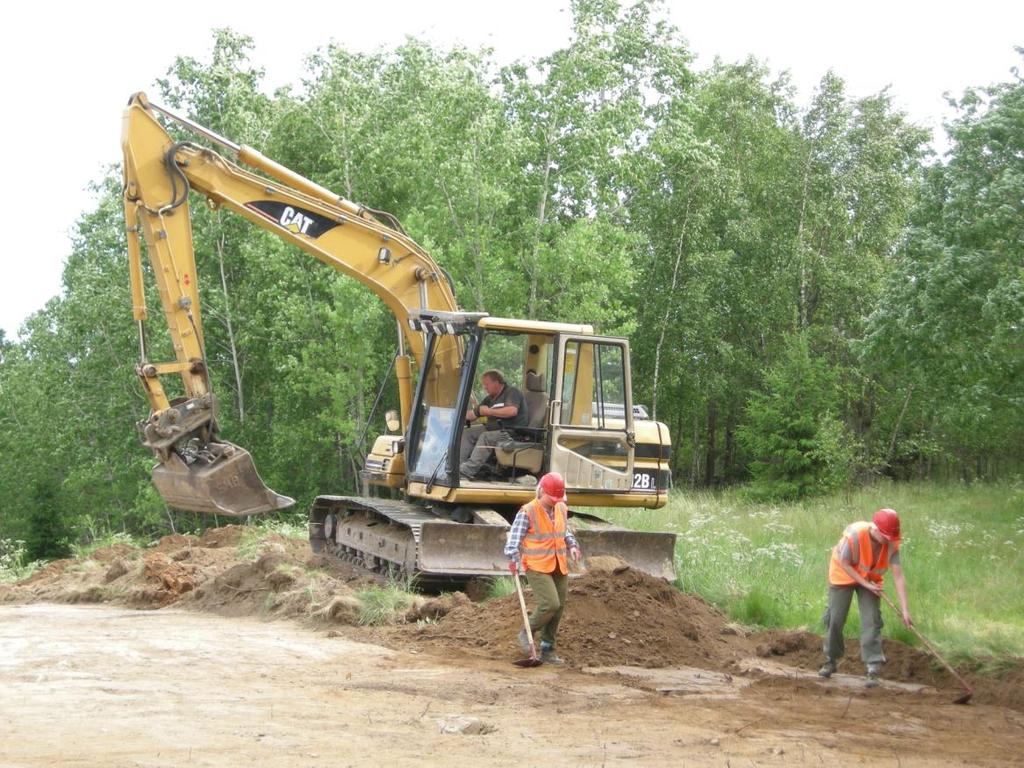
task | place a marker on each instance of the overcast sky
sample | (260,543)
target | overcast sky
(66,72)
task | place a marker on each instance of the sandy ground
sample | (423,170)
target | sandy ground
(105,685)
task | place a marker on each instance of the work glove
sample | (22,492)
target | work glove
(513,567)
(575,554)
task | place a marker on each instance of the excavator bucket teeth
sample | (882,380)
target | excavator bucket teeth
(462,550)
(229,485)
(652,553)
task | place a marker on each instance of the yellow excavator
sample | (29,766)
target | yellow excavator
(415,515)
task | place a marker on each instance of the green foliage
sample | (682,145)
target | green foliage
(757,608)
(501,587)
(82,551)
(948,326)
(256,535)
(46,538)
(799,447)
(14,565)
(384,605)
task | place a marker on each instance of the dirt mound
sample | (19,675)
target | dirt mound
(214,538)
(161,581)
(285,580)
(616,617)
(219,571)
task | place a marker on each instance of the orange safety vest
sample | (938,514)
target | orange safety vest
(872,571)
(544,542)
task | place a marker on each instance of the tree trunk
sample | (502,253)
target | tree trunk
(712,457)
(729,468)
(668,310)
(677,430)
(232,347)
(542,206)
(896,429)
(695,462)
(801,309)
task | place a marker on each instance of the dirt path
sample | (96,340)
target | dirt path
(109,686)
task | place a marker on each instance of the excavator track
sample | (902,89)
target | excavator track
(407,540)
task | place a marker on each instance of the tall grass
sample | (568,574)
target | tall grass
(500,586)
(102,541)
(385,604)
(766,564)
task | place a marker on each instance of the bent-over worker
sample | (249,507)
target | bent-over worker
(540,539)
(863,554)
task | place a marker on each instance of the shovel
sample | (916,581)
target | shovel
(968,693)
(533,660)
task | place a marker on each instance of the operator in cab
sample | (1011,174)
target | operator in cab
(505,409)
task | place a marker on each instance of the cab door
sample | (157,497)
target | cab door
(591,417)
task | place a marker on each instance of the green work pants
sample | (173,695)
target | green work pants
(869,607)
(549,590)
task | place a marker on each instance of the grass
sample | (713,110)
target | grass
(766,564)
(502,586)
(81,551)
(382,605)
(255,535)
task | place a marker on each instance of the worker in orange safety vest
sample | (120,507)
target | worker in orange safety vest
(540,540)
(863,554)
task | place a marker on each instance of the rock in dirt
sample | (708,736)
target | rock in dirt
(463,725)
(433,608)
(116,570)
(342,609)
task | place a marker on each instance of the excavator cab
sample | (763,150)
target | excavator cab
(580,422)
(577,393)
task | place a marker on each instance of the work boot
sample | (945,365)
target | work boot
(524,641)
(548,655)
(872,678)
(827,669)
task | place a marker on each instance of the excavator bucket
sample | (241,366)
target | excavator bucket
(228,485)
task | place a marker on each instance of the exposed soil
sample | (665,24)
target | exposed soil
(688,684)
(623,618)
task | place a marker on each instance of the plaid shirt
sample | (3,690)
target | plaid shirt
(519,528)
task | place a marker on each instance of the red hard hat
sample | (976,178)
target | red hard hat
(888,523)
(553,484)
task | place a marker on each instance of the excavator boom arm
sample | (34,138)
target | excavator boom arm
(343,235)
(368,246)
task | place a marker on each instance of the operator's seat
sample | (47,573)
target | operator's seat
(526,452)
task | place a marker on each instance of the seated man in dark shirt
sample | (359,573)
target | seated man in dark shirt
(505,410)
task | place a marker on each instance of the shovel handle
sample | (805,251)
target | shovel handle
(522,605)
(930,647)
